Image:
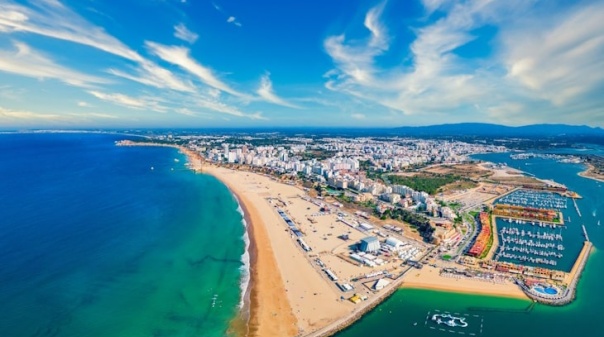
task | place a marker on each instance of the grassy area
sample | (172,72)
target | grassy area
(317,154)
(429,183)
(446,257)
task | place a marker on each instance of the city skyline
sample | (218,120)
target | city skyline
(181,63)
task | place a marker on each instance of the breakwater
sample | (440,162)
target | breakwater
(568,295)
(348,320)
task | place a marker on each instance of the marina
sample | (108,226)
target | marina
(536,246)
(528,198)
(531,230)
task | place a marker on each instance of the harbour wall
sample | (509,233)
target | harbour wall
(570,292)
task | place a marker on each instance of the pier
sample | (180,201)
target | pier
(576,206)
(585,233)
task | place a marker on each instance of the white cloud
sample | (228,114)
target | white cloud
(151,74)
(12,93)
(181,32)
(233,20)
(266,92)
(432,5)
(83,104)
(52,19)
(28,62)
(355,59)
(560,61)
(358,116)
(557,57)
(9,115)
(215,105)
(94,115)
(139,103)
(180,56)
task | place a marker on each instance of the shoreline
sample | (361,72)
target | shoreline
(265,279)
(588,173)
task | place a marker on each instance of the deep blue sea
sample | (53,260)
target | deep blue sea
(93,242)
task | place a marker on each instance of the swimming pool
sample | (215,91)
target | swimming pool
(546,290)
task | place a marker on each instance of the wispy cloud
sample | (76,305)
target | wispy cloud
(181,57)
(562,60)
(358,116)
(9,115)
(230,19)
(151,74)
(266,92)
(11,118)
(139,103)
(555,57)
(233,20)
(25,61)
(221,107)
(93,115)
(52,19)
(10,92)
(181,32)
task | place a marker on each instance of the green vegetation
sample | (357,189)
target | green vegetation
(368,168)
(317,154)
(429,183)
(345,198)
(446,257)
(414,219)
(253,141)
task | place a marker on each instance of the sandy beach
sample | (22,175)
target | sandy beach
(288,297)
(429,278)
(589,174)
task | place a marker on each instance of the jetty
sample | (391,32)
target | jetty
(576,206)
(585,233)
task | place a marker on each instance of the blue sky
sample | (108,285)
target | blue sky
(197,63)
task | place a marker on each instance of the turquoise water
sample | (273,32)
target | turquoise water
(404,314)
(95,243)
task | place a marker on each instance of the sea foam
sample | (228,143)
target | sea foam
(245,258)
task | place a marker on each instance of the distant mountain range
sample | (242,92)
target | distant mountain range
(495,130)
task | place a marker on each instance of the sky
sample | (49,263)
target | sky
(265,63)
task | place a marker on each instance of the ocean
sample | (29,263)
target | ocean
(101,240)
(405,313)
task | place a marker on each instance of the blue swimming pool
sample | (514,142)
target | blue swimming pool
(546,290)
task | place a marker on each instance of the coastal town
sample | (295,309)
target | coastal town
(344,222)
